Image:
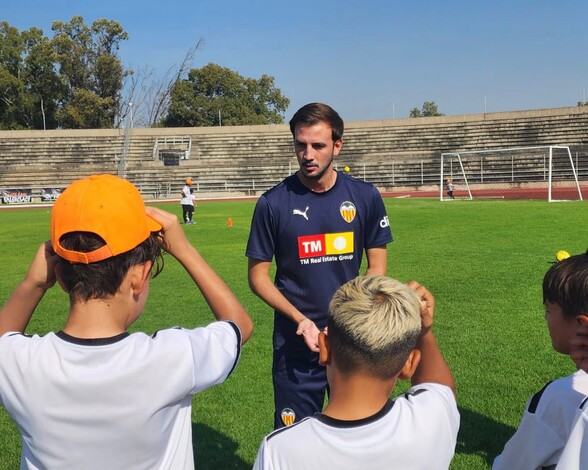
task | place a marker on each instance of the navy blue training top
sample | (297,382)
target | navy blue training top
(318,241)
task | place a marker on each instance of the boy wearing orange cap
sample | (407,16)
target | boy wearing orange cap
(92,395)
(187,202)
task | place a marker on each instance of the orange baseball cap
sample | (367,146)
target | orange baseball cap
(107,206)
(189,181)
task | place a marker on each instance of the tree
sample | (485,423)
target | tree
(429,109)
(29,85)
(73,80)
(215,95)
(148,93)
(92,72)
(44,85)
(12,87)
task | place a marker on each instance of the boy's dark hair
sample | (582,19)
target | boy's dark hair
(566,284)
(315,113)
(102,279)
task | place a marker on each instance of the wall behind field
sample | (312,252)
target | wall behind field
(249,159)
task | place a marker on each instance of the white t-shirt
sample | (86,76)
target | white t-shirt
(187,198)
(122,402)
(545,426)
(575,453)
(417,430)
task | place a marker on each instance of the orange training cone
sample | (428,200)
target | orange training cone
(230,222)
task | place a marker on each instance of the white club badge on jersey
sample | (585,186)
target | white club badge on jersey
(288,416)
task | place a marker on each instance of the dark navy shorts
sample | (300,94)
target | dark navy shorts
(300,384)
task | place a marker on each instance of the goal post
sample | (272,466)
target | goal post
(535,172)
(458,177)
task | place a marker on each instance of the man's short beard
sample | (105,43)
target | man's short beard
(320,174)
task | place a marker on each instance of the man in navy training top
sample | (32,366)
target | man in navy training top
(317,224)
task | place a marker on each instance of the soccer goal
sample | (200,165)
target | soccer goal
(538,172)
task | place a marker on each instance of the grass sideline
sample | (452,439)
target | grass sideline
(483,260)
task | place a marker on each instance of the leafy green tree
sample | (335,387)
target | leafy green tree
(12,86)
(429,108)
(73,80)
(29,84)
(92,72)
(215,95)
(44,85)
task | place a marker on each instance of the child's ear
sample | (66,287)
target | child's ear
(582,320)
(140,276)
(58,269)
(324,349)
(412,362)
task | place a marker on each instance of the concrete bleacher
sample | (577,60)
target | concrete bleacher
(247,160)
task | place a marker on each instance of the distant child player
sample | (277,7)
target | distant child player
(450,189)
(379,330)
(187,202)
(192,208)
(93,396)
(549,416)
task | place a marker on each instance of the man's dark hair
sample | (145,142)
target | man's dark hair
(102,279)
(566,284)
(315,113)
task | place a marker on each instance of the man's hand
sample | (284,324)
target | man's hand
(427,305)
(310,333)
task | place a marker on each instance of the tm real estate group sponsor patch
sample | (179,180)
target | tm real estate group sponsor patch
(325,247)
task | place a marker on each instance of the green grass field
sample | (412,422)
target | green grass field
(484,261)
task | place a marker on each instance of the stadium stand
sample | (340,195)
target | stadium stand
(246,160)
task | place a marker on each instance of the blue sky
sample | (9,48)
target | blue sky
(370,59)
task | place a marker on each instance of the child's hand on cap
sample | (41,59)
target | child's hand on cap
(41,273)
(172,235)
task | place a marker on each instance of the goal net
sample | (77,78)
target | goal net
(539,172)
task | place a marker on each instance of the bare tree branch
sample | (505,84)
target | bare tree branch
(150,93)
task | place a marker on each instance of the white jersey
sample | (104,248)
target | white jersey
(546,425)
(417,430)
(122,402)
(575,453)
(187,198)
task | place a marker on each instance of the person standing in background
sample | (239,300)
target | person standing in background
(450,189)
(187,202)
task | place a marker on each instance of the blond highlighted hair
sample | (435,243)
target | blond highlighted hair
(374,323)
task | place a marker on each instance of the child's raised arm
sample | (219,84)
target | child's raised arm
(220,298)
(19,308)
(432,367)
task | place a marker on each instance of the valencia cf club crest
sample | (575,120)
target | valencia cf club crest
(348,211)
(288,416)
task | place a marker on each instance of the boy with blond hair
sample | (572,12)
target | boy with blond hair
(379,330)
(93,396)
(550,414)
